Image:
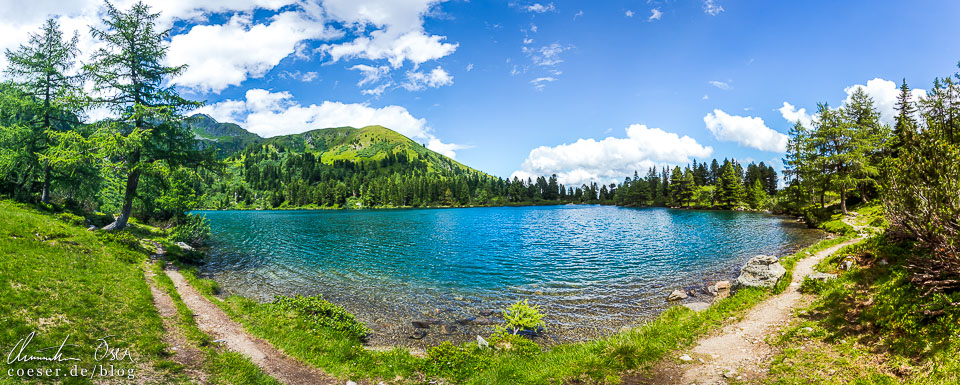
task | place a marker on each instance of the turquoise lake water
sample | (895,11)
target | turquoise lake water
(593,269)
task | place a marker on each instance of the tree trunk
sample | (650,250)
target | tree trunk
(45,192)
(129,193)
(843,200)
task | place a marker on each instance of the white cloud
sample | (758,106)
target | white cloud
(746,130)
(277,113)
(721,85)
(540,8)
(578,14)
(218,56)
(371,74)
(628,13)
(398,36)
(539,83)
(655,14)
(548,55)
(611,159)
(437,77)
(711,8)
(705,97)
(884,94)
(793,115)
(469,67)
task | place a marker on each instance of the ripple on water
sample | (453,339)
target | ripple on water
(593,269)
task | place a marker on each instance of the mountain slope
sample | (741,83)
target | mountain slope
(227,138)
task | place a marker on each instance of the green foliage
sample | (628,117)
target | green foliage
(194,230)
(518,345)
(811,286)
(838,226)
(522,317)
(322,314)
(456,363)
(71,219)
(123,238)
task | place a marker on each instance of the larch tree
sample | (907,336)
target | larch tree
(41,71)
(130,79)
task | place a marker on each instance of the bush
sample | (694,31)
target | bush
(194,230)
(522,317)
(71,219)
(837,227)
(515,344)
(322,313)
(811,286)
(123,238)
(455,363)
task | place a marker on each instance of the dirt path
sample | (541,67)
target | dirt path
(184,352)
(738,351)
(218,325)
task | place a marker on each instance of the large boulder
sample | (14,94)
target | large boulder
(761,271)
(676,295)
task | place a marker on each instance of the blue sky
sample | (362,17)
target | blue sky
(530,87)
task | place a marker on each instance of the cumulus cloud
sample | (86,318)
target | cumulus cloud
(655,14)
(792,114)
(218,56)
(884,94)
(711,8)
(437,77)
(721,85)
(746,130)
(371,74)
(610,159)
(277,113)
(399,35)
(628,13)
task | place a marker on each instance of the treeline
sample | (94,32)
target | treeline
(726,186)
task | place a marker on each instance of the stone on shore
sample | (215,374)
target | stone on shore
(677,295)
(721,289)
(420,324)
(185,246)
(761,271)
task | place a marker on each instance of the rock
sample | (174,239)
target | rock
(847,264)
(420,324)
(486,313)
(730,374)
(466,321)
(418,334)
(685,358)
(449,329)
(697,306)
(692,293)
(91,228)
(722,288)
(761,271)
(821,276)
(677,295)
(883,262)
(351,383)
(482,343)
(185,246)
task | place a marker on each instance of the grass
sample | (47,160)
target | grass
(868,326)
(59,280)
(599,361)
(223,367)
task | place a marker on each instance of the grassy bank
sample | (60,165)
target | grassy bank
(57,279)
(871,325)
(516,362)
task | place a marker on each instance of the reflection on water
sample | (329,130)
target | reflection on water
(593,269)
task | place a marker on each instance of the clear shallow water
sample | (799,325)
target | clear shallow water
(593,269)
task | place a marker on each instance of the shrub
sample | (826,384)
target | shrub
(323,314)
(123,238)
(515,344)
(455,363)
(194,230)
(811,286)
(837,227)
(71,219)
(522,317)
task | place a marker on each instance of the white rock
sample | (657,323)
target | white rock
(482,343)
(761,271)
(686,358)
(677,295)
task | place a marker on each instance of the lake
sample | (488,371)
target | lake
(593,269)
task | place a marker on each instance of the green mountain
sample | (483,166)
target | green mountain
(371,166)
(227,138)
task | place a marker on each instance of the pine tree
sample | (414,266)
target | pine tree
(676,187)
(729,190)
(41,71)
(906,126)
(129,77)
